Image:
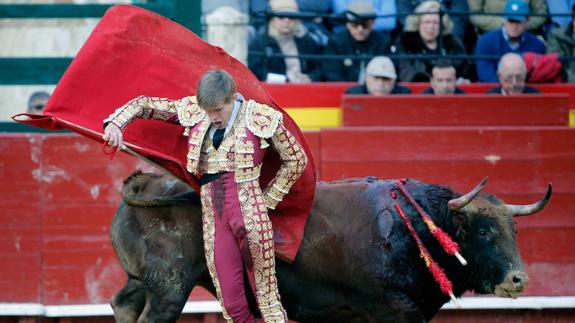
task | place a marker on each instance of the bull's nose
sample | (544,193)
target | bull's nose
(519,278)
(513,284)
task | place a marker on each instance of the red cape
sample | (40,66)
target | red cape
(134,52)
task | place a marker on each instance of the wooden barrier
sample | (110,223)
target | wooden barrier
(458,110)
(318,105)
(450,154)
(313,106)
(20,223)
(520,161)
(60,193)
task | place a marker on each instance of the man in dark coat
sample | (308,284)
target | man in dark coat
(358,38)
(380,79)
(512,73)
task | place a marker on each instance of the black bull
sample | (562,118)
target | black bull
(357,261)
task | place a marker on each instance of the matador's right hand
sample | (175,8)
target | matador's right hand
(113,135)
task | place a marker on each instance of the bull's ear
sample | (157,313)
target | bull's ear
(460,202)
(521,210)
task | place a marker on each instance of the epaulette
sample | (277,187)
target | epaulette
(262,120)
(189,112)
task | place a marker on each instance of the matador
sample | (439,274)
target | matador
(228,137)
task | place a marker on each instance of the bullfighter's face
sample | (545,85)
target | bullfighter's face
(220,115)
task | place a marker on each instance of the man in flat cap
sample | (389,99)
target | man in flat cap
(380,79)
(358,38)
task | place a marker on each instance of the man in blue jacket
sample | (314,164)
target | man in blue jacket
(512,37)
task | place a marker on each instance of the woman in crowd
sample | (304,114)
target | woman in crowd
(426,33)
(285,35)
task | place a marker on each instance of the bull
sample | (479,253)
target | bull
(356,263)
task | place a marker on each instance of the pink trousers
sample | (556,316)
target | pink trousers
(231,251)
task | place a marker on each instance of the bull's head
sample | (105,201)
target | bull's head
(488,240)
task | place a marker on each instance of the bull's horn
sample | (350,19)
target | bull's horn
(520,210)
(460,202)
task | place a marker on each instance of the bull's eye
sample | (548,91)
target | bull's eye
(483,233)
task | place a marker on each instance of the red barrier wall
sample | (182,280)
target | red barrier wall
(20,223)
(458,110)
(520,161)
(329,94)
(61,192)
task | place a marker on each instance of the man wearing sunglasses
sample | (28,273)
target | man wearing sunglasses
(357,44)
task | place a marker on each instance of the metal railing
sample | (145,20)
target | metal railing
(266,15)
(48,70)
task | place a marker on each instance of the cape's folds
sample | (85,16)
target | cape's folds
(134,52)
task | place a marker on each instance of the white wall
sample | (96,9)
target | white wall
(40,38)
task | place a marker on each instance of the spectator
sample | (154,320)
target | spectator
(381,7)
(257,10)
(37,102)
(512,73)
(443,79)
(460,21)
(562,41)
(485,23)
(557,7)
(512,37)
(285,35)
(422,36)
(380,79)
(357,39)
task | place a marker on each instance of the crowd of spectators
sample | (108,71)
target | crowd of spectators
(423,40)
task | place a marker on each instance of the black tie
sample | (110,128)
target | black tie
(218,137)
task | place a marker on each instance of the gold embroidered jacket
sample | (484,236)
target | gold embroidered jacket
(242,149)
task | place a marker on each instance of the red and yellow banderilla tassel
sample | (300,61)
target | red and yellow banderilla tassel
(438,274)
(450,246)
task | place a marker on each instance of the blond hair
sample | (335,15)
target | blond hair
(428,7)
(215,88)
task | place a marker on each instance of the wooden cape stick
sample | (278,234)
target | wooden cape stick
(124,147)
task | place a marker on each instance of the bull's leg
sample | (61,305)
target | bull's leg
(168,286)
(129,302)
(163,307)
